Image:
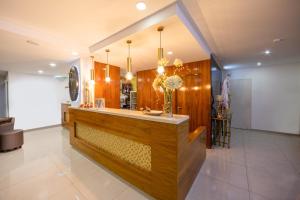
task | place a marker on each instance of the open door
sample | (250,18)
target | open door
(241,98)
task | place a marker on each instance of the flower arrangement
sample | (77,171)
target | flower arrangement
(168,84)
(173,82)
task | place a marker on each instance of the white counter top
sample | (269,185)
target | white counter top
(176,119)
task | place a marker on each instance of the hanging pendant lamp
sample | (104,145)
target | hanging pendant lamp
(129,75)
(92,71)
(160,54)
(107,77)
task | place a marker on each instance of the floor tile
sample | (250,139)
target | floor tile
(133,194)
(226,171)
(208,188)
(47,167)
(275,186)
(39,187)
(69,193)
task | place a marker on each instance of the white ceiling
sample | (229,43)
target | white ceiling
(60,27)
(239,31)
(175,38)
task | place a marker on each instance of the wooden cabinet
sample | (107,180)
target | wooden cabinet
(193,99)
(65,114)
(110,91)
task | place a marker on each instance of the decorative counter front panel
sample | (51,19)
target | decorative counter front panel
(135,153)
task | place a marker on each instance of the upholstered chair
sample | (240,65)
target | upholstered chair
(10,139)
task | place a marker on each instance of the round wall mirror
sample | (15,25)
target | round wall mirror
(73,83)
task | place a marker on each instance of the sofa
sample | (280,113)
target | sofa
(10,139)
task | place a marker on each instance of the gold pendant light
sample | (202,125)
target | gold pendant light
(129,75)
(160,54)
(92,71)
(107,77)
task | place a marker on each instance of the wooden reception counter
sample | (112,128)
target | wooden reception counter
(156,154)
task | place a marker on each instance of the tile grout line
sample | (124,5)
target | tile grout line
(286,157)
(245,155)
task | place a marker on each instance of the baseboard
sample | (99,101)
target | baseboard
(270,132)
(44,127)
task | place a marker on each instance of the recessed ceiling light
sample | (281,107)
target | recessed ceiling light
(276,40)
(258,63)
(40,71)
(52,64)
(141,6)
(267,52)
(74,53)
(226,67)
(32,42)
(170,53)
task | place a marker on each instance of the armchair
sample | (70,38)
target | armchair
(10,139)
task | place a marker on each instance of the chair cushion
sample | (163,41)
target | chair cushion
(16,131)
(4,120)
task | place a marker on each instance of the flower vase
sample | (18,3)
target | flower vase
(168,103)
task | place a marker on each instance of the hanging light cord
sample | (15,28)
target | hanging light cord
(160,39)
(107,58)
(129,50)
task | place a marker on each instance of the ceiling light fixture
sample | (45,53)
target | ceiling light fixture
(258,63)
(107,77)
(267,52)
(161,61)
(74,53)
(276,40)
(141,6)
(40,71)
(52,64)
(129,75)
(32,42)
(170,52)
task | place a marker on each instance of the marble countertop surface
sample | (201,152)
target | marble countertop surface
(176,119)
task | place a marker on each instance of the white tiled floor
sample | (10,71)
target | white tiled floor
(259,166)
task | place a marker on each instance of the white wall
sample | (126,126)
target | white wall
(275,97)
(34,100)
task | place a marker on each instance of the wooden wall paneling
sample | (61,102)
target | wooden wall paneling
(194,99)
(140,89)
(157,97)
(110,91)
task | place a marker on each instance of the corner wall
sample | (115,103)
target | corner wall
(275,97)
(35,100)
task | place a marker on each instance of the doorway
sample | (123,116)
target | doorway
(241,101)
(3,94)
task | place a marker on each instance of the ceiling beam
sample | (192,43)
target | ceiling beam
(175,9)
(140,25)
(188,21)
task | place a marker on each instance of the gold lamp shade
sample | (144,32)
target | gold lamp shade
(129,75)
(107,76)
(160,53)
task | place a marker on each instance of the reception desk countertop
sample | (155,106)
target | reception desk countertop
(176,119)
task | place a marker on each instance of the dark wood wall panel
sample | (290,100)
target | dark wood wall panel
(193,99)
(110,91)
